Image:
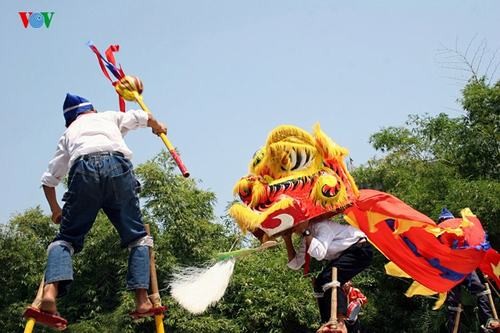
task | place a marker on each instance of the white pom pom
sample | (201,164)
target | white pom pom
(195,289)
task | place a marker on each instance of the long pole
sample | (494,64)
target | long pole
(333,308)
(164,138)
(457,318)
(490,298)
(155,294)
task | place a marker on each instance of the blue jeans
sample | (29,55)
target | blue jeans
(107,181)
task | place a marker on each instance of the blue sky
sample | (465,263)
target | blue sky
(222,74)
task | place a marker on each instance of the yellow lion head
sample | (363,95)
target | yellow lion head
(294,177)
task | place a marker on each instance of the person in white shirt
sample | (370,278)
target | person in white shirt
(101,176)
(341,246)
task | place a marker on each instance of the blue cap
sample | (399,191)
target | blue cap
(445,215)
(73,106)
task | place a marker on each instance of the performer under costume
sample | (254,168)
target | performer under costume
(355,299)
(472,283)
(341,246)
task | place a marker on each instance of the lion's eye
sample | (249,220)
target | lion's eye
(257,157)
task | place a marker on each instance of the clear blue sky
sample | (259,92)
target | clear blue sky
(222,74)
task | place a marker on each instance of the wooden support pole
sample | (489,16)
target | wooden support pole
(333,308)
(30,324)
(39,295)
(457,318)
(155,294)
(490,298)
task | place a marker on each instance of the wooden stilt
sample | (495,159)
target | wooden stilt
(333,325)
(155,294)
(490,298)
(457,318)
(333,308)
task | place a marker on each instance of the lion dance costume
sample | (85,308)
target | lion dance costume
(297,176)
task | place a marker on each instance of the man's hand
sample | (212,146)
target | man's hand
(160,128)
(156,126)
(50,194)
(57,215)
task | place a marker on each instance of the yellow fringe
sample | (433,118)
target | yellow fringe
(327,147)
(287,131)
(259,191)
(354,187)
(341,199)
(331,150)
(242,185)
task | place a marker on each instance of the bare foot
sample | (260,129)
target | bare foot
(143,307)
(48,303)
(142,302)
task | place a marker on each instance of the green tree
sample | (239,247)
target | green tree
(22,242)
(433,162)
(263,296)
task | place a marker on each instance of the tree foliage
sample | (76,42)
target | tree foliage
(264,295)
(433,162)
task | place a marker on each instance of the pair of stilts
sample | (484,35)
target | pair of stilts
(334,326)
(34,315)
(459,309)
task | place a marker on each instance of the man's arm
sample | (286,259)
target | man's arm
(290,250)
(50,194)
(134,119)
(157,127)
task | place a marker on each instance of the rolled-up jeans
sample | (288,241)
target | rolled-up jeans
(99,180)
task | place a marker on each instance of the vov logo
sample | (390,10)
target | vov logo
(36,19)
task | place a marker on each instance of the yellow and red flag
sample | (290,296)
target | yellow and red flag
(490,266)
(412,241)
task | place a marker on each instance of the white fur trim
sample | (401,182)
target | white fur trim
(143,241)
(329,285)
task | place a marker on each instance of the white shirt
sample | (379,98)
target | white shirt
(90,133)
(329,240)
